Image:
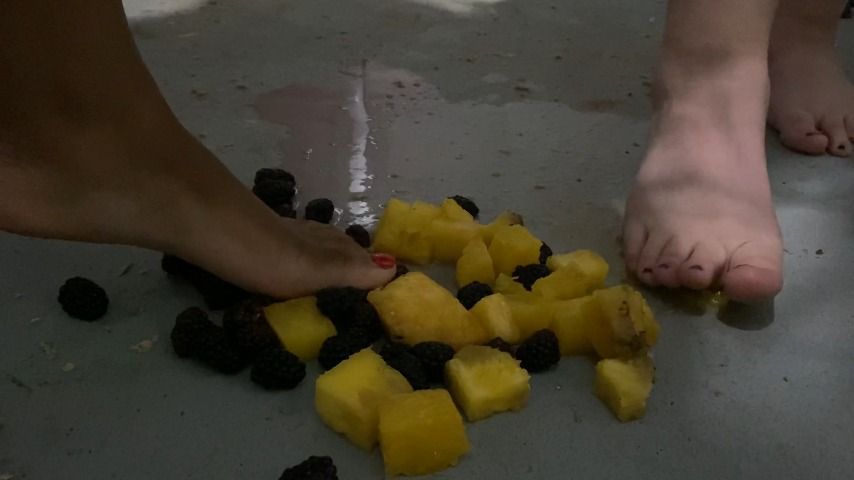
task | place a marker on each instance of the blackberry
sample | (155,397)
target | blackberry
(398,357)
(433,356)
(499,343)
(359,235)
(545,253)
(216,351)
(539,352)
(267,174)
(314,468)
(83,299)
(366,321)
(337,303)
(190,325)
(248,329)
(528,274)
(275,368)
(274,192)
(285,210)
(401,271)
(217,293)
(472,293)
(338,348)
(320,210)
(467,204)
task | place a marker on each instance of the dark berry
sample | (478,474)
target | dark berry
(266,174)
(467,204)
(472,293)
(190,326)
(337,303)
(217,293)
(400,358)
(285,210)
(434,356)
(216,351)
(320,210)
(539,352)
(274,192)
(84,299)
(401,271)
(366,321)
(338,348)
(545,253)
(315,468)
(499,343)
(528,274)
(275,368)
(248,329)
(359,235)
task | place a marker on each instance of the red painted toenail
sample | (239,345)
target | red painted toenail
(697,267)
(384,261)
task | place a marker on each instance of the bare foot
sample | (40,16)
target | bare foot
(700,213)
(812,101)
(143,180)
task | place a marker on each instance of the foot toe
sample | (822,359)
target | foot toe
(800,133)
(667,266)
(840,142)
(754,273)
(702,268)
(648,260)
(634,238)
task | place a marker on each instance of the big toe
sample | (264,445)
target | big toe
(755,273)
(840,143)
(799,132)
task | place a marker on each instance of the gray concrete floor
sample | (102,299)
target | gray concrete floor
(538,106)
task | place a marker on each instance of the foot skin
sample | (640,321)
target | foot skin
(700,213)
(147,182)
(812,101)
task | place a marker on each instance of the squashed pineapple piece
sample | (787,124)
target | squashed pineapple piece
(485,381)
(624,385)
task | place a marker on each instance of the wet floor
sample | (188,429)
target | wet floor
(537,106)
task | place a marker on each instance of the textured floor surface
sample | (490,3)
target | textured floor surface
(539,106)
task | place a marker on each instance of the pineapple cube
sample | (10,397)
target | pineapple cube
(513,246)
(449,238)
(625,324)
(475,264)
(300,326)
(592,266)
(571,325)
(452,210)
(506,285)
(421,433)
(624,385)
(416,309)
(387,238)
(347,397)
(530,313)
(485,381)
(495,315)
(504,220)
(563,284)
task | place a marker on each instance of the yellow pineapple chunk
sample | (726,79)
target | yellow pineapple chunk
(300,326)
(590,264)
(624,385)
(404,230)
(506,285)
(530,313)
(563,284)
(475,264)
(625,324)
(449,238)
(571,325)
(421,433)
(348,396)
(513,246)
(389,232)
(495,315)
(416,309)
(452,210)
(505,219)
(485,381)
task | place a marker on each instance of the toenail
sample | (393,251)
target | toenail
(384,261)
(697,267)
(647,270)
(664,266)
(841,147)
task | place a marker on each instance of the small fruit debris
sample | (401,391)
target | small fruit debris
(83,299)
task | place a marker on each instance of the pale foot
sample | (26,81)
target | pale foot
(700,213)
